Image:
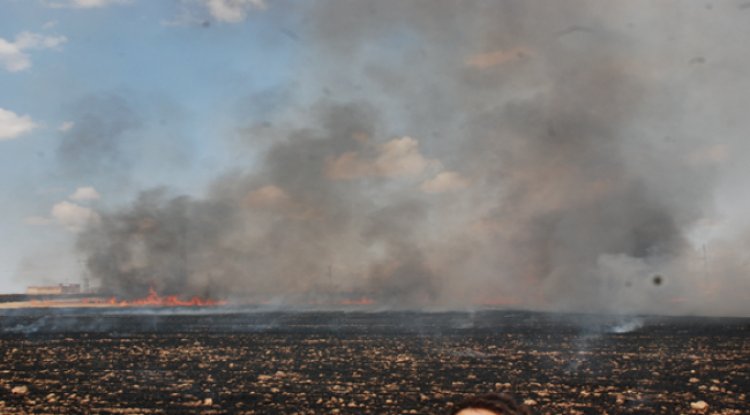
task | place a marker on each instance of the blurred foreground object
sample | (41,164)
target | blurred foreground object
(491,404)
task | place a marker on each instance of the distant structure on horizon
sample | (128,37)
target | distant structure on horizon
(54,289)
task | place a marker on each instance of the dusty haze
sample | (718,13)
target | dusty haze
(552,155)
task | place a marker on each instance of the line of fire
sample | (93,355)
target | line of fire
(74,295)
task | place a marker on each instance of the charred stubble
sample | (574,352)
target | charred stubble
(371,363)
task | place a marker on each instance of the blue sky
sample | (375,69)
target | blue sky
(181,68)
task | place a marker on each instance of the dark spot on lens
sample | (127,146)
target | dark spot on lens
(657,280)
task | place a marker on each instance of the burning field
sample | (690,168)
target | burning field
(184,160)
(234,360)
(153,299)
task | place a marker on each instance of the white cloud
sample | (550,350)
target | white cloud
(85,193)
(13,54)
(233,11)
(13,125)
(66,126)
(73,217)
(399,157)
(445,181)
(86,4)
(29,40)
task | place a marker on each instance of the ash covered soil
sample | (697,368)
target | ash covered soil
(238,362)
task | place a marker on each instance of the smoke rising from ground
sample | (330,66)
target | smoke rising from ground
(526,154)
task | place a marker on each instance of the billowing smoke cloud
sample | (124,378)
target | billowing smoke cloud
(233,242)
(521,153)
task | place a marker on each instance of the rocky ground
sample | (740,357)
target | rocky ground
(360,363)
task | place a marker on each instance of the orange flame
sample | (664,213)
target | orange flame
(155,300)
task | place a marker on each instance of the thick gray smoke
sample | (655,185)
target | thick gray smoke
(235,240)
(533,154)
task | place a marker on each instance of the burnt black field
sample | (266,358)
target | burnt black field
(240,361)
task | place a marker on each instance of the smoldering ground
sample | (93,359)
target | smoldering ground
(533,154)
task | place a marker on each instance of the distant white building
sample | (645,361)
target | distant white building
(54,289)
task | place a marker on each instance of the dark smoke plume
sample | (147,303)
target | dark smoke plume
(233,241)
(507,153)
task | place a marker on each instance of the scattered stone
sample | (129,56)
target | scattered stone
(699,406)
(20,390)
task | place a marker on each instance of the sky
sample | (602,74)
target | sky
(154,58)
(532,154)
